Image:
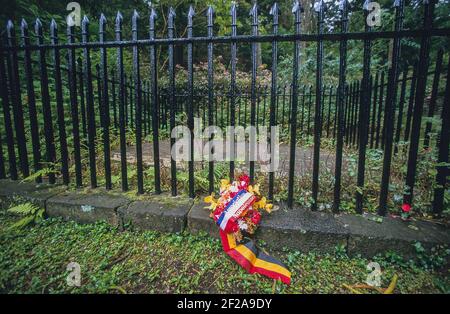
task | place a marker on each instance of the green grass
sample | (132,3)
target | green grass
(34,260)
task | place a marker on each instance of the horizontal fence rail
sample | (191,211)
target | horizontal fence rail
(61,106)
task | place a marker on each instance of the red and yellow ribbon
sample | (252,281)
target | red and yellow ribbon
(253,260)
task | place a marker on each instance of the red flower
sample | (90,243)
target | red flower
(406,208)
(244,181)
(218,211)
(255,216)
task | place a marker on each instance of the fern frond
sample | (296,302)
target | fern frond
(24,209)
(25,221)
(30,214)
(39,215)
(40,173)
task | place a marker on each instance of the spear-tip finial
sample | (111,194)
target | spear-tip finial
(38,24)
(134,19)
(102,24)
(153,14)
(210,10)
(10,27)
(210,15)
(274,10)
(53,29)
(135,14)
(118,21)
(23,24)
(171,19)
(366,5)
(233,9)
(152,18)
(172,12)
(84,25)
(191,12)
(254,10)
(397,3)
(297,7)
(102,20)
(319,6)
(53,25)
(343,4)
(119,17)
(38,28)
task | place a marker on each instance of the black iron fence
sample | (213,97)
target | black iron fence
(378,111)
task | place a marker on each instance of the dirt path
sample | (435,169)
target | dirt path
(303,158)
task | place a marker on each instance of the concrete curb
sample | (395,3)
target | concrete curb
(16,192)
(159,212)
(86,207)
(291,228)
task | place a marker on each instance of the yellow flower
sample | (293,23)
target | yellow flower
(268,208)
(261,203)
(254,189)
(224,182)
(212,207)
(209,198)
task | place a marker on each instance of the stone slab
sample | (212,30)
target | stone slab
(86,206)
(199,221)
(368,237)
(13,192)
(160,212)
(302,230)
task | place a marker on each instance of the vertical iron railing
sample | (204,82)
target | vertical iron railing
(357,113)
(419,100)
(210,17)
(443,151)
(274,11)
(190,87)
(319,8)
(122,104)
(296,10)
(390,110)
(343,6)
(138,109)
(173,104)
(232,110)
(59,104)
(32,112)
(14,86)
(90,110)
(105,104)
(46,108)
(155,107)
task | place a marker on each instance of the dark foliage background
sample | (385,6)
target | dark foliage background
(48,9)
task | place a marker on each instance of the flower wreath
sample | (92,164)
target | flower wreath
(237,211)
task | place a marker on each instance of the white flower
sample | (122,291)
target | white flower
(242,225)
(234,188)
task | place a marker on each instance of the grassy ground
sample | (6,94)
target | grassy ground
(34,260)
